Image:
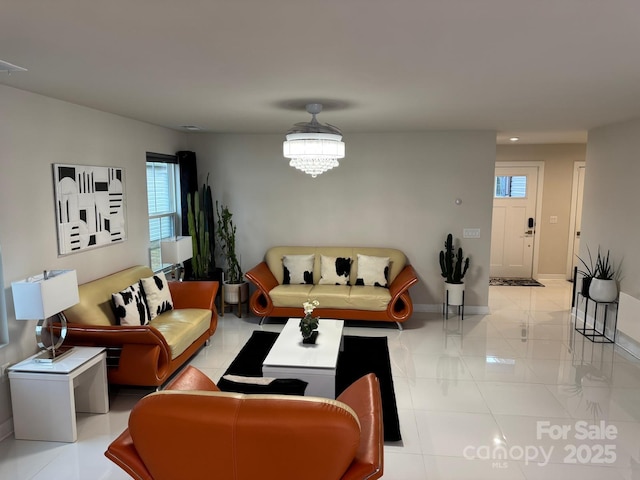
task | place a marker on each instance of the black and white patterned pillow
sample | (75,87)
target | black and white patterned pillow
(130,306)
(158,295)
(373,271)
(334,270)
(298,269)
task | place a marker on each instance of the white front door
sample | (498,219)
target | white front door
(513,226)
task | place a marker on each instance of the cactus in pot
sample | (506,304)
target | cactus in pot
(453,266)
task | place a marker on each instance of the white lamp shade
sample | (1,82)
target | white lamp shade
(176,250)
(37,298)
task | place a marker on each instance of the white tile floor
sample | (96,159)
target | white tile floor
(463,388)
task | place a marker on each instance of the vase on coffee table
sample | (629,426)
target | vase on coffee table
(309,323)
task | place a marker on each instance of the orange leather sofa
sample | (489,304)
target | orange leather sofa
(192,430)
(273,299)
(144,355)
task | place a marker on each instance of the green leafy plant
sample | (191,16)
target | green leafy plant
(601,269)
(604,268)
(454,266)
(200,221)
(227,235)
(589,268)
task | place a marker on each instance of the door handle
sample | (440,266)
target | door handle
(528,233)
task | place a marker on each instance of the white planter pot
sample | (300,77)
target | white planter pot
(235,293)
(456,291)
(603,290)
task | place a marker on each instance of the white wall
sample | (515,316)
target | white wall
(611,199)
(611,205)
(35,132)
(395,190)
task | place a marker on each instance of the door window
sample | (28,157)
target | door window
(511,186)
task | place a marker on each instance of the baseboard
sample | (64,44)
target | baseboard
(628,344)
(6,429)
(551,276)
(437,308)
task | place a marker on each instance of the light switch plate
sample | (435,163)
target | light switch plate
(471,233)
(553,219)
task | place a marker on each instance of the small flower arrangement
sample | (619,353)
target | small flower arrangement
(309,323)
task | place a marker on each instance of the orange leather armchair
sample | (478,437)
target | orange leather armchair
(192,430)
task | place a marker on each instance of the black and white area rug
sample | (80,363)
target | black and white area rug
(514,282)
(360,356)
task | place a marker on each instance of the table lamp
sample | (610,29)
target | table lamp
(175,251)
(42,297)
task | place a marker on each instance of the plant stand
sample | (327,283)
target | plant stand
(446,305)
(595,334)
(240,302)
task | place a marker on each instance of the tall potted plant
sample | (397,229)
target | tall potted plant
(236,290)
(201,230)
(454,266)
(603,286)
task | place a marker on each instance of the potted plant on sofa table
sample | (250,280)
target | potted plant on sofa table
(236,290)
(454,267)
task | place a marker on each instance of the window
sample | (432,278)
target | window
(511,186)
(162,198)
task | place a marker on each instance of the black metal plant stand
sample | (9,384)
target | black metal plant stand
(445,306)
(594,334)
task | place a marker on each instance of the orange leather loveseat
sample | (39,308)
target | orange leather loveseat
(145,355)
(274,298)
(192,430)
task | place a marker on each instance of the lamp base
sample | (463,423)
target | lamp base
(50,356)
(50,337)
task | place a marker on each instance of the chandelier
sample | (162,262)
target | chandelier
(312,147)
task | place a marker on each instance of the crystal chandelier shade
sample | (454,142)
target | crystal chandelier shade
(312,147)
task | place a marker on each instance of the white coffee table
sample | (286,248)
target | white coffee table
(315,364)
(46,396)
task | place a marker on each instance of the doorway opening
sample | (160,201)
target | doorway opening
(516,207)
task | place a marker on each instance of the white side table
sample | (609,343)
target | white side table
(46,396)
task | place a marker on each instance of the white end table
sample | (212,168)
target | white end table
(315,364)
(46,396)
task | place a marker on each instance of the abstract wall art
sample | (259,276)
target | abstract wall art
(90,206)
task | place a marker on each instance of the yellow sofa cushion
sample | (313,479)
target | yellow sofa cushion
(180,328)
(369,298)
(290,295)
(332,296)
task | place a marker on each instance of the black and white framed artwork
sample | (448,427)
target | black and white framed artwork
(90,206)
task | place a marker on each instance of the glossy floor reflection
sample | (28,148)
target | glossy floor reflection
(516,394)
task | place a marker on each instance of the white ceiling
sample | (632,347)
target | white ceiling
(544,70)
